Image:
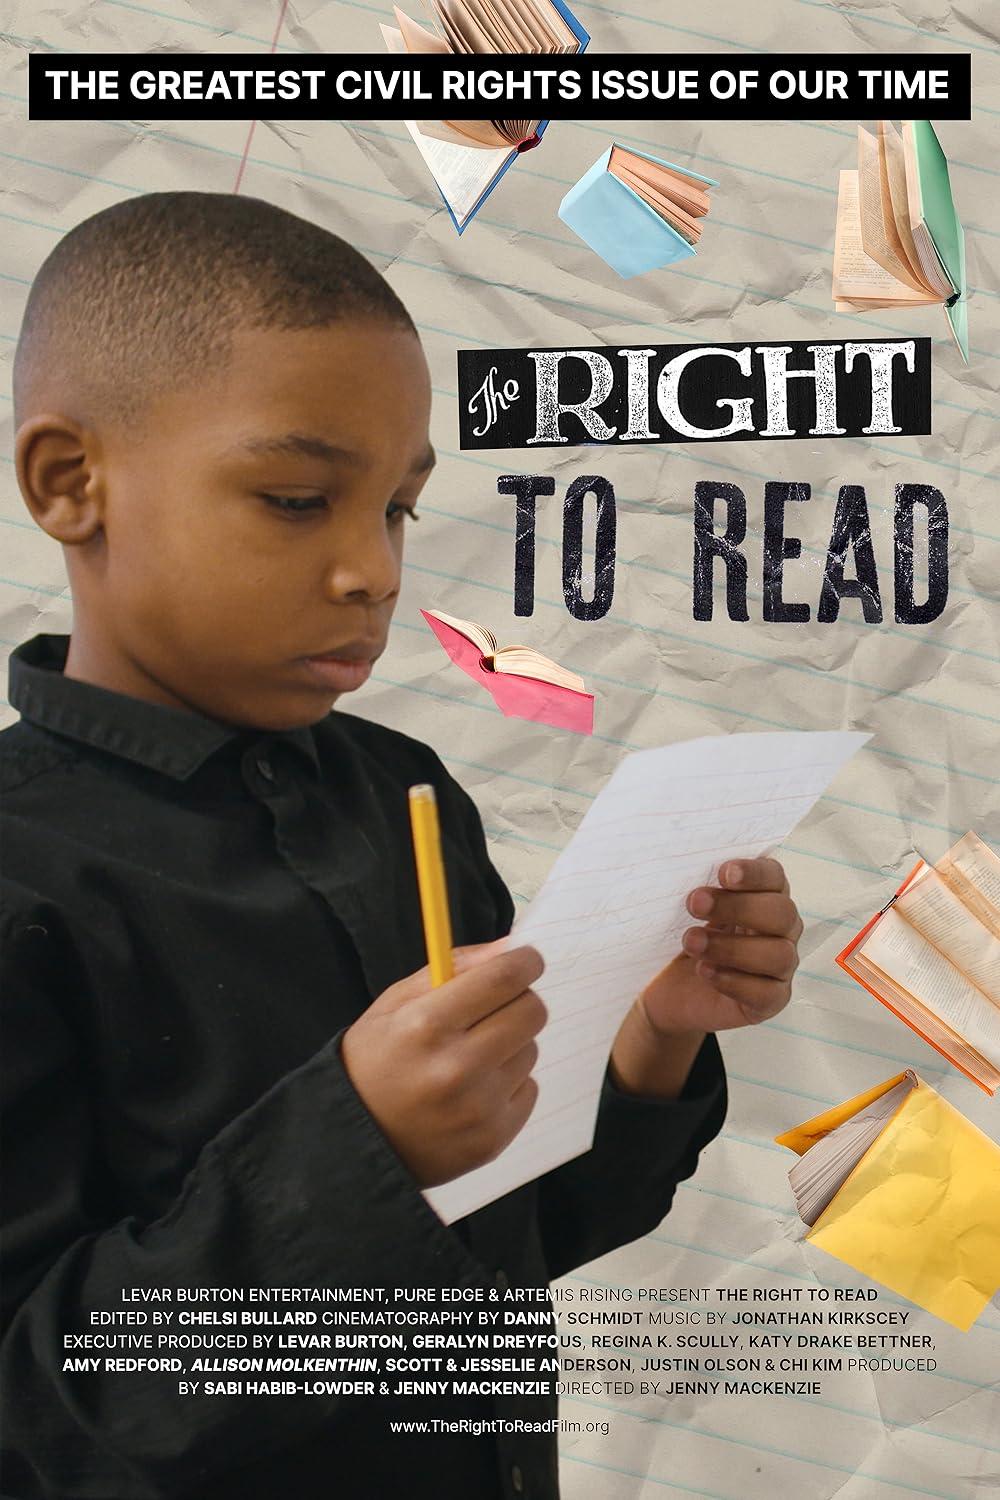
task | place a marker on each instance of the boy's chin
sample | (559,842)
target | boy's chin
(296,711)
(294,696)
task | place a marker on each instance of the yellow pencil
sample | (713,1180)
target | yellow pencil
(431,881)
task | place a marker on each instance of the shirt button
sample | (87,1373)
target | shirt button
(266,769)
(517,1479)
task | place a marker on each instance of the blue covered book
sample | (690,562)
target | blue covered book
(637,211)
(467,158)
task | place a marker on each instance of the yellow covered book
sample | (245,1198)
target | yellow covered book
(902,1187)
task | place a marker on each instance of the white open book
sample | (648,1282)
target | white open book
(522,661)
(899,242)
(467,158)
(932,956)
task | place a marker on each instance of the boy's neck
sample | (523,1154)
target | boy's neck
(93,660)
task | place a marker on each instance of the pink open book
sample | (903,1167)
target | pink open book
(522,682)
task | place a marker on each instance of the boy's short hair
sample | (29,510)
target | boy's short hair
(144,294)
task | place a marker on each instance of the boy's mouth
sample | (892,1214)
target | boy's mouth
(345,669)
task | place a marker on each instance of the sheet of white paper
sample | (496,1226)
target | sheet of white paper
(612,912)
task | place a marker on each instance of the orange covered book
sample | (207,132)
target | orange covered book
(932,957)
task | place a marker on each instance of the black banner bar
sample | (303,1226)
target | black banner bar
(687,393)
(374,86)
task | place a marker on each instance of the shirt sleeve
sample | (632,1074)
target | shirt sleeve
(623,1187)
(299,1190)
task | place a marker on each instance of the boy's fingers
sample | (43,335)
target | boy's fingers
(759,998)
(403,991)
(518,1110)
(761,911)
(485,987)
(512,1073)
(753,875)
(773,956)
(414,985)
(505,1031)
(473,954)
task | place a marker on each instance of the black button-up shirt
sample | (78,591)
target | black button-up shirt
(192,915)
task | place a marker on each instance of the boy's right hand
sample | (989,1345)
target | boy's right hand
(446,1072)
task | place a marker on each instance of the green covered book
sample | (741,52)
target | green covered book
(899,240)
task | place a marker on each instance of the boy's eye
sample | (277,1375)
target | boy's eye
(295,505)
(395,512)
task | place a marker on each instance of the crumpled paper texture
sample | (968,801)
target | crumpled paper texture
(928,694)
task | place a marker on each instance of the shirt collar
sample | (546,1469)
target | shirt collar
(162,739)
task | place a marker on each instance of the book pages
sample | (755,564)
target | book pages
(541,37)
(823,1169)
(415,38)
(686,191)
(925,1023)
(505,20)
(468,23)
(939,915)
(892,185)
(972,868)
(520,661)
(457,41)
(462,172)
(525,661)
(550,21)
(899,951)
(856,276)
(879,235)
(671,212)
(477,634)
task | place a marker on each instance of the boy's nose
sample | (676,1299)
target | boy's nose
(365,567)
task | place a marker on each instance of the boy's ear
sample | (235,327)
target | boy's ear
(58,472)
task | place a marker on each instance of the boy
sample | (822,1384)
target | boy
(225,1067)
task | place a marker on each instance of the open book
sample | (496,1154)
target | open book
(523,683)
(637,211)
(902,1187)
(932,956)
(467,158)
(899,241)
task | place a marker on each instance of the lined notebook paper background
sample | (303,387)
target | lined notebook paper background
(927,694)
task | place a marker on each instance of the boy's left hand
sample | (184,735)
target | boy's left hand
(734,971)
(737,969)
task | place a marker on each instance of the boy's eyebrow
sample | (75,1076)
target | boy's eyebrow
(302,444)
